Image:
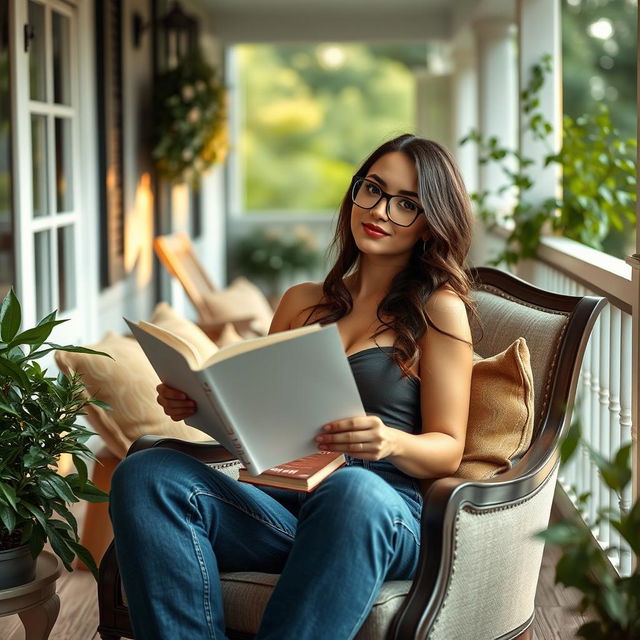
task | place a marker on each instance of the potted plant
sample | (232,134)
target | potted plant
(38,423)
(611,601)
(269,255)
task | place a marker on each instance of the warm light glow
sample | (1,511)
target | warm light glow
(180,202)
(602,29)
(331,56)
(138,239)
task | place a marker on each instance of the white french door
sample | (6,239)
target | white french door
(51,232)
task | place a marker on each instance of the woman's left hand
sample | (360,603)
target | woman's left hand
(364,437)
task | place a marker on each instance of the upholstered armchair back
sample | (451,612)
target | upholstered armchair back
(506,318)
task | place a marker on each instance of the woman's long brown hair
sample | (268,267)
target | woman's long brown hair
(442,259)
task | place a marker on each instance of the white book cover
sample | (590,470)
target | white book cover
(264,399)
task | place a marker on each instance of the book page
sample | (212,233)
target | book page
(257,343)
(182,346)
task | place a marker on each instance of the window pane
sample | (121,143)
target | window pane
(42,249)
(64,175)
(66,268)
(39,165)
(61,59)
(37,61)
(6,223)
(311,113)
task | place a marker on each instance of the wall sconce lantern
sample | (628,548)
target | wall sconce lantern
(178,32)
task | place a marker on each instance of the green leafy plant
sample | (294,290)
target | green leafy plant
(598,177)
(615,600)
(38,415)
(268,254)
(190,132)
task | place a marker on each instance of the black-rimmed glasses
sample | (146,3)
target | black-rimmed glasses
(401,210)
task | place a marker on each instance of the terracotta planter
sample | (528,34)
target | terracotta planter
(16,567)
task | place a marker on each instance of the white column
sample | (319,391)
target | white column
(497,104)
(497,94)
(538,35)
(464,88)
(434,107)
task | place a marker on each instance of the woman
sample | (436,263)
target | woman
(399,294)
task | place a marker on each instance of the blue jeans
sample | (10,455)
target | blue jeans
(178,523)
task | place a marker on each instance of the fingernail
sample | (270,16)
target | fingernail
(327,427)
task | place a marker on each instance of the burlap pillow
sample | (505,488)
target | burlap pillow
(500,425)
(241,301)
(127,384)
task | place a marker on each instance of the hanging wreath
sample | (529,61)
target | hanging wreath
(190,134)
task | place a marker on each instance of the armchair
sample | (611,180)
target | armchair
(478,554)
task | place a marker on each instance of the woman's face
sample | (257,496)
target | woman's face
(373,232)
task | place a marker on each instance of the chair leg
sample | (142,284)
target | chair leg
(97,532)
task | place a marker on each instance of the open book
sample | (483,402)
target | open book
(263,399)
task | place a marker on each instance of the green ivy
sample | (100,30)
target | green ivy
(598,177)
(38,415)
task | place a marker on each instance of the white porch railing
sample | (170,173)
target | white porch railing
(604,394)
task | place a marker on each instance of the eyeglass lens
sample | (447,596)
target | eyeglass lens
(402,210)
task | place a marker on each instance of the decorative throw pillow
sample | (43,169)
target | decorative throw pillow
(228,336)
(241,301)
(128,385)
(500,425)
(164,316)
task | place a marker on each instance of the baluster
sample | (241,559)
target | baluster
(625,424)
(582,393)
(604,426)
(594,433)
(570,287)
(614,416)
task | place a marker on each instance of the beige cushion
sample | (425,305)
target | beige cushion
(500,424)
(245,595)
(241,301)
(128,385)
(228,336)
(165,317)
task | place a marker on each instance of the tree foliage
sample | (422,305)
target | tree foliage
(312,113)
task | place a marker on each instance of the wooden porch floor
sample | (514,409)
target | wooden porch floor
(78,618)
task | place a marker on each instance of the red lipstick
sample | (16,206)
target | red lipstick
(374,231)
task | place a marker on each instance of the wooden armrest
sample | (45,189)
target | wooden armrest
(204,451)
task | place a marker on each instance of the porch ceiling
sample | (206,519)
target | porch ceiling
(331,20)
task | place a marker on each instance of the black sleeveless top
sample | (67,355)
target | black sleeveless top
(384,391)
(395,399)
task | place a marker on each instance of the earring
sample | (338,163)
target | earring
(424,245)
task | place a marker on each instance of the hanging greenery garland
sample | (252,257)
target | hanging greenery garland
(190,133)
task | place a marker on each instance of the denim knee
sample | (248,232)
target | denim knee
(353,491)
(145,474)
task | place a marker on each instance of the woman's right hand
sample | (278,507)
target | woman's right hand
(176,405)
